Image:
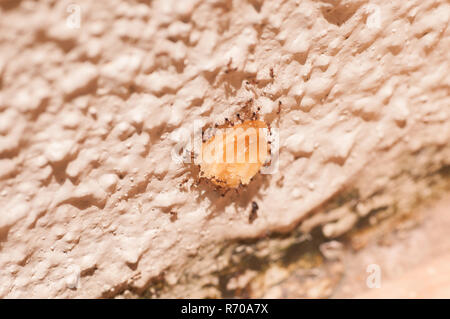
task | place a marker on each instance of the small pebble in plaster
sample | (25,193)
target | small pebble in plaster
(79,80)
(59,151)
(108,182)
(235,154)
(332,250)
(338,228)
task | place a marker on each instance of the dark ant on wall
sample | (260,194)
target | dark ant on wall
(253,213)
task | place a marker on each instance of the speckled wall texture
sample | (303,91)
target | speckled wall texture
(95,95)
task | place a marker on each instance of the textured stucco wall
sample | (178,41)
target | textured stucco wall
(92,202)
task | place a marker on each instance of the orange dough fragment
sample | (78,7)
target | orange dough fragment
(235,154)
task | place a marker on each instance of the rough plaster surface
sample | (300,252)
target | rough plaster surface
(89,116)
(414,259)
